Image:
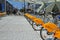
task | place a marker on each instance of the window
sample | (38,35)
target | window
(0,7)
(37,6)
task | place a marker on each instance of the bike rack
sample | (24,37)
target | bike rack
(32,20)
(38,22)
(57,34)
(50,27)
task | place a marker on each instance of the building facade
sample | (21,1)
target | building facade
(9,7)
(2,5)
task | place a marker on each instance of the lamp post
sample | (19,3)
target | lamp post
(34,5)
(55,0)
(24,6)
(5,5)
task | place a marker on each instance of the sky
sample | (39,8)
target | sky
(18,5)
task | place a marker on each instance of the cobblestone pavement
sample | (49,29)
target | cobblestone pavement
(16,28)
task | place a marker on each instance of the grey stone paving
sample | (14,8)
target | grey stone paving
(16,28)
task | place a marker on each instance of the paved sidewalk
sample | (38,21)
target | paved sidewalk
(17,28)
